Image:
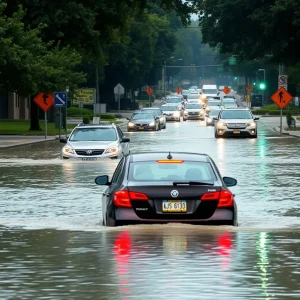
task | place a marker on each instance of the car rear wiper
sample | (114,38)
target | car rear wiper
(192,183)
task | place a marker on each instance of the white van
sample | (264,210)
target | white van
(210,90)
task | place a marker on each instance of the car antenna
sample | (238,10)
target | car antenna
(169,156)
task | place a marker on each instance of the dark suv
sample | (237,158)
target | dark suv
(157,112)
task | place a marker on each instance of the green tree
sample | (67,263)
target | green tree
(29,66)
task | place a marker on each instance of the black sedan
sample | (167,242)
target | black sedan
(167,187)
(143,121)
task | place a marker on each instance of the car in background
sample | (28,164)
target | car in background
(213,104)
(167,187)
(175,100)
(194,98)
(210,121)
(185,93)
(193,87)
(221,88)
(194,111)
(210,90)
(171,112)
(91,142)
(143,121)
(157,112)
(229,103)
(236,122)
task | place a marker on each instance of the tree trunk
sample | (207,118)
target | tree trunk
(34,116)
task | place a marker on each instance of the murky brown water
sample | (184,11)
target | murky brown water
(54,247)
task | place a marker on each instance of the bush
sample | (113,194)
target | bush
(289,118)
(104,116)
(77,112)
(86,120)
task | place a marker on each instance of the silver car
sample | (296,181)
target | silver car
(194,111)
(211,115)
(90,142)
(236,122)
(171,112)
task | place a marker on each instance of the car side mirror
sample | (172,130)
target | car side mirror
(229,181)
(256,119)
(156,118)
(128,119)
(215,118)
(102,180)
(125,140)
(63,140)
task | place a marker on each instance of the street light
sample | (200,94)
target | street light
(165,71)
(263,86)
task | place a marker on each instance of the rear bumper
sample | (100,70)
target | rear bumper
(194,117)
(128,215)
(172,118)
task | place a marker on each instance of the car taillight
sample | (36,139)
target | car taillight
(122,198)
(225,198)
(211,196)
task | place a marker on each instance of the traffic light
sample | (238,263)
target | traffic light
(254,83)
(235,78)
(262,86)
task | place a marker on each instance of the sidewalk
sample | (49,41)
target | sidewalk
(10,141)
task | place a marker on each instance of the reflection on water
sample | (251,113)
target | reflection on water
(144,262)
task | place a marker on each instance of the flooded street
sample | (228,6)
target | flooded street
(53,244)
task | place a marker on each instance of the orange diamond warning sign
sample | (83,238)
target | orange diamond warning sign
(282,98)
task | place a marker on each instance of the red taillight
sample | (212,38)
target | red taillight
(137,196)
(211,196)
(225,198)
(122,198)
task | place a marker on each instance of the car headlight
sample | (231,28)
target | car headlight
(112,150)
(221,124)
(68,150)
(152,124)
(161,118)
(209,119)
(186,112)
(176,113)
(251,124)
(130,124)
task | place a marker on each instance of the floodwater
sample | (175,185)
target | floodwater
(53,245)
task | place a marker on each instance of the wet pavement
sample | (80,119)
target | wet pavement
(53,245)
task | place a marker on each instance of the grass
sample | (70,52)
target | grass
(21,127)
(297,128)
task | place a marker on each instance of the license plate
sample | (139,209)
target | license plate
(236,131)
(174,206)
(89,158)
(141,128)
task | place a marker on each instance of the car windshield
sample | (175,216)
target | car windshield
(214,103)
(93,134)
(174,100)
(236,114)
(142,116)
(155,112)
(210,91)
(214,113)
(169,108)
(155,171)
(193,96)
(193,106)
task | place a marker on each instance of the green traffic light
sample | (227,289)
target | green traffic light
(262,86)
(235,78)
(254,83)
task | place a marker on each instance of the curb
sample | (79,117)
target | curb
(27,143)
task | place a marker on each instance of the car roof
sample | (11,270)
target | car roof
(150,156)
(145,108)
(100,125)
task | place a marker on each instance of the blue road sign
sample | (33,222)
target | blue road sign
(60,99)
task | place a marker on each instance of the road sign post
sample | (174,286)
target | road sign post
(119,90)
(149,91)
(281,98)
(60,100)
(45,102)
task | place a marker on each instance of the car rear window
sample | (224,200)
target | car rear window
(186,171)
